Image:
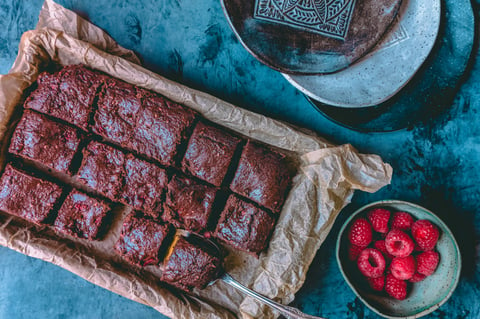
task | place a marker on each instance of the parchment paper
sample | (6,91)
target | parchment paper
(327,176)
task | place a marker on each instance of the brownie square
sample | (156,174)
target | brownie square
(102,169)
(81,215)
(263,176)
(161,128)
(142,121)
(141,240)
(244,226)
(209,153)
(188,204)
(145,184)
(28,197)
(45,141)
(67,94)
(117,108)
(191,263)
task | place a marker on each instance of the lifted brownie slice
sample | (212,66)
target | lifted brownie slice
(263,176)
(116,116)
(191,263)
(144,186)
(67,94)
(81,215)
(141,240)
(161,128)
(209,153)
(102,169)
(44,141)
(28,197)
(188,204)
(244,226)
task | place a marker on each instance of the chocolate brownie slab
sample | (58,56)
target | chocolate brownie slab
(28,197)
(81,215)
(68,94)
(141,240)
(44,141)
(102,169)
(142,121)
(244,226)
(191,263)
(209,153)
(188,204)
(118,105)
(145,184)
(263,176)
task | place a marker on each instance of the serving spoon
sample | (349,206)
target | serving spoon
(288,312)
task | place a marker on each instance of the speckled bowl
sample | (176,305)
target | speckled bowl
(423,297)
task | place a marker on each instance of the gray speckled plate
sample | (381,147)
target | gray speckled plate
(424,297)
(387,69)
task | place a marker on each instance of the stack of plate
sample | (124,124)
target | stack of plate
(352,57)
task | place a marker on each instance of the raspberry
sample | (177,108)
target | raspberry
(425,234)
(427,262)
(403,268)
(402,220)
(395,288)
(380,245)
(417,277)
(360,233)
(354,251)
(379,218)
(377,283)
(398,243)
(371,263)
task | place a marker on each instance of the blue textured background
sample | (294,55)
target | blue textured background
(436,164)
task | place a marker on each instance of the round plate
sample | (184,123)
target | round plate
(431,90)
(425,296)
(384,71)
(309,36)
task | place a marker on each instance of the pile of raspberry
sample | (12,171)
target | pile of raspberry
(391,249)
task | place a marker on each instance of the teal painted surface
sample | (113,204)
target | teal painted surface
(435,163)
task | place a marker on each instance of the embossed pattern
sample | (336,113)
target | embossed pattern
(327,17)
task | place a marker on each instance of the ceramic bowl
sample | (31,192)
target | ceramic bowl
(423,297)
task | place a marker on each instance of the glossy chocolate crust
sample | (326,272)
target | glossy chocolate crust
(142,121)
(209,153)
(26,196)
(191,264)
(188,204)
(244,226)
(141,240)
(68,94)
(145,184)
(102,169)
(263,176)
(81,215)
(44,141)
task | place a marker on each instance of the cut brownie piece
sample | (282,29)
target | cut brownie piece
(191,263)
(67,94)
(188,204)
(116,116)
(209,153)
(81,215)
(141,240)
(161,128)
(263,176)
(102,169)
(26,196)
(142,121)
(144,185)
(44,141)
(244,226)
